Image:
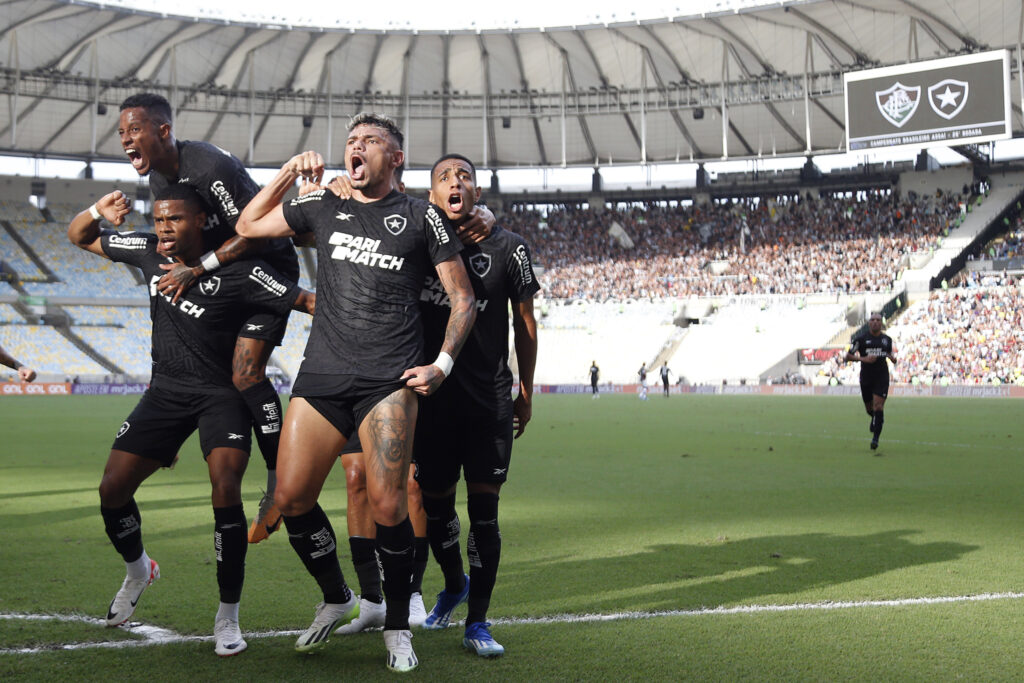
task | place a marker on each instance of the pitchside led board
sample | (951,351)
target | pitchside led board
(954,101)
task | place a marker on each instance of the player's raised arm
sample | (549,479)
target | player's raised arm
(25,373)
(263,216)
(426,379)
(524,330)
(84,230)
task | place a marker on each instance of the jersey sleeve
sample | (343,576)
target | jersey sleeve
(519,271)
(298,211)
(228,185)
(268,289)
(127,247)
(441,240)
(854,345)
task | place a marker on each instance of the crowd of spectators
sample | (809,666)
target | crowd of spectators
(971,335)
(830,245)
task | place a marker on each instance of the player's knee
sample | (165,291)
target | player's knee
(291,504)
(355,477)
(390,509)
(114,492)
(483,511)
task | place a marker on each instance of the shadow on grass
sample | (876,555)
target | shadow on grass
(673,577)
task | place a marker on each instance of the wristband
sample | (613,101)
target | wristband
(95,213)
(210,262)
(445,362)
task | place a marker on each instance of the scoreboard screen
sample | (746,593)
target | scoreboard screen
(953,101)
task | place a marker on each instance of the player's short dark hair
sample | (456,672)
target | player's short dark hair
(453,155)
(155,105)
(381,121)
(183,193)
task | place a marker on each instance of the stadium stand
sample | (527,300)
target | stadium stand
(48,351)
(118,332)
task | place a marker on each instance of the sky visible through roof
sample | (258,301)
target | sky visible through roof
(410,15)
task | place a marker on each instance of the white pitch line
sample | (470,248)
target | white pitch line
(153,635)
(838,437)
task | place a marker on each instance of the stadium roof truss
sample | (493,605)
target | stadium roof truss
(736,84)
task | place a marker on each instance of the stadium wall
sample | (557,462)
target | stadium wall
(901,390)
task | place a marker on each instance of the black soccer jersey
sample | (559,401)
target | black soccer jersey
(226,188)
(372,259)
(867,344)
(594,373)
(501,270)
(194,339)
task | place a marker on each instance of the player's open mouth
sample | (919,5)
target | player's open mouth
(135,158)
(455,201)
(166,243)
(358,167)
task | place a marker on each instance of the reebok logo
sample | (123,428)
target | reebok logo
(235,437)
(253,328)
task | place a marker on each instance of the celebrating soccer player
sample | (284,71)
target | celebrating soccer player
(468,424)
(363,362)
(872,349)
(193,339)
(220,179)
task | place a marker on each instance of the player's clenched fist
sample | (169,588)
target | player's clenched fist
(307,165)
(114,207)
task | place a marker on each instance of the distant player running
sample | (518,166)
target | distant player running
(665,372)
(642,375)
(595,374)
(191,388)
(872,349)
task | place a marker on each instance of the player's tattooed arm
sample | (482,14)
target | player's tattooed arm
(305,302)
(524,329)
(84,230)
(425,380)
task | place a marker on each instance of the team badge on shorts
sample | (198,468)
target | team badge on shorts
(209,287)
(395,223)
(480,263)
(124,428)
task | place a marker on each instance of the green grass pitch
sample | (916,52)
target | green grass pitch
(614,507)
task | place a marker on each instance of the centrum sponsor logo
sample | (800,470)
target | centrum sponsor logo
(227,203)
(314,196)
(523,260)
(362,251)
(128,240)
(267,281)
(435,221)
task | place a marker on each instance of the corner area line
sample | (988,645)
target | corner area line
(155,635)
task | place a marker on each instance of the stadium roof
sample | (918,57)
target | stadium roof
(637,91)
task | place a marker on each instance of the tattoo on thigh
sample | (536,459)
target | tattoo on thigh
(390,426)
(244,363)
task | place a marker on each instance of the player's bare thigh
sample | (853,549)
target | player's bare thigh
(122,476)
(309,446)
(249,363)
(386,434)
(227,467)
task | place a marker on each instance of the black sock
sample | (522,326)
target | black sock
(265,407)
(313,538)
(420,555)
(879,421)
(124,529)
(483,548)
(364,558)
(394,548)
(871,427)
(230,542)
(443,531)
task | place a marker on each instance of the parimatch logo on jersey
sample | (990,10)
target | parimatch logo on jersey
(362,251)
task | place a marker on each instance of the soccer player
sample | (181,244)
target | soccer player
(361,529)
(468,423)
(642,374)
(362,369)
(25,373)
(665,372)
(193,338)
(220,179)
(595,373)
(872,349)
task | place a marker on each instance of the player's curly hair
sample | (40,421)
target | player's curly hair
(381,121)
